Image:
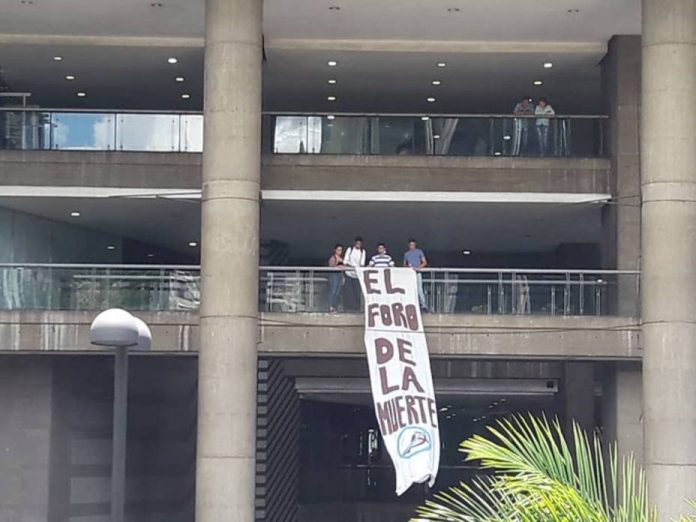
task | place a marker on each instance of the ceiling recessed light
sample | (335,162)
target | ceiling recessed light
(332,63)
(430,99)
(75,213)
(81,94)
(57,58)
(538,82)
(436,136)
(466,252)
(172,60)
(110,247)
(185,96)
(331,98)
(193,244)
(151,255)
(425,118)
(179,79)
(436,82)
(70,77)
(507,137)
(332,82)
(331,117)
(497,153)
(441,64)
(548,65)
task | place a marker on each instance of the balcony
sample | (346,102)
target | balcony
(480,314)
(477,135)
(302,290)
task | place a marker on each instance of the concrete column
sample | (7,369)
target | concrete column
(578,391)
(668,161)
(225,463)
(622,412)
(621,221)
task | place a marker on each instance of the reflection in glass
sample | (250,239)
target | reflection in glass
(80,131)
(148,132)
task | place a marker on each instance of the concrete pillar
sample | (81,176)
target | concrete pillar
(578,392)
(668,160)
(225,464)
(622,412)
(621,221)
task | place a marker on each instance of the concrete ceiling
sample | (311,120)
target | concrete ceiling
(312,228)
(387,52)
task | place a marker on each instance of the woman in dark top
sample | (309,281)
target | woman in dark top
(335,278)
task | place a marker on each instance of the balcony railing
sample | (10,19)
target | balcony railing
(305,289)
(355,134)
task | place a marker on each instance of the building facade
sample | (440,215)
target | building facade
(196,162)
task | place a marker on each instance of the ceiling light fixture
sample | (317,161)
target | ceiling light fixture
(151,255)
(436,136)
(110,247)
(172,60)
(548,65)
(466,252)
(57,58)
(331,117)
(81,94)
(75,213)
(436,82)
(332,63)
(425,118)
(331,98)
(185,96)
(430,99)
(507,137)
(538,82)
(193,244)
(497,153)
(441,64)
(332,82)
(70,77)
(179,79)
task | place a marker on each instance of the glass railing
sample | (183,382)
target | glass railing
(352,134)
(306,290)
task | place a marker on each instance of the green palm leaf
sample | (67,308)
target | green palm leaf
(538,477)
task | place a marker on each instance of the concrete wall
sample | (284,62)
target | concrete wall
(26,416)
(25,238)
(296,172)
(474,336)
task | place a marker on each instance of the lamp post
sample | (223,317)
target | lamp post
(118,329)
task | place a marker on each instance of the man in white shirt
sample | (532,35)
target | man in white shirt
(543,108)
(354,256)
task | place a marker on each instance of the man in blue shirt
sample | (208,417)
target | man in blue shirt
(415,258)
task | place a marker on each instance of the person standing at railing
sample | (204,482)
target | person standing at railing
(543,108)
(415,258)
(336,278)
(381,259)
(520,142)
(352,295)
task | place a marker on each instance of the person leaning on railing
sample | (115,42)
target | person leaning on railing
(543,108)
(336,279)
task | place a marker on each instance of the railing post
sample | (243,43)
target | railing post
(311,291)
(598,298)
(489,300)
(566,295)
(501,293)
(513,293)
(553,299)
(581,296)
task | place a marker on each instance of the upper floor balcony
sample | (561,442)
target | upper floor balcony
(480,135)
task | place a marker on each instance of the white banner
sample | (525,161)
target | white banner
(402,383)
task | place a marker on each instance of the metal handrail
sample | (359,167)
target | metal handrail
(314,113)
(521,271)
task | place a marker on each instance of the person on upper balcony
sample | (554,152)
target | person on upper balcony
(520,141)
(381,259)
(543,108)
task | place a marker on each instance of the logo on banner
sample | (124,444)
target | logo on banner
(413,441)
(400,376)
